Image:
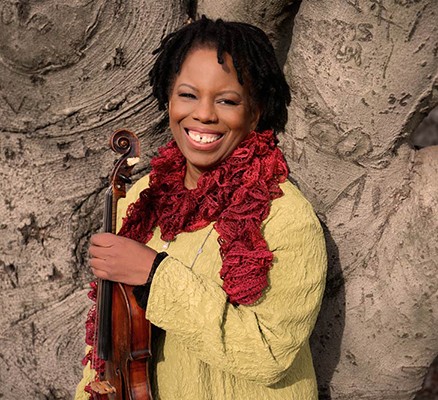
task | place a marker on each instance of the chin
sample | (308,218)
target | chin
(203,166)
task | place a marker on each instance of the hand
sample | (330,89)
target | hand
(120,259)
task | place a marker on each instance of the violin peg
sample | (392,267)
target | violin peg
(125,179)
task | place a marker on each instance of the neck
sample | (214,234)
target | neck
(191,177)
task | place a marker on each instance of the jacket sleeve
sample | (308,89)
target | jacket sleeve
(258,342)
(88,375)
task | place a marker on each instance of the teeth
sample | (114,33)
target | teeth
(204,138)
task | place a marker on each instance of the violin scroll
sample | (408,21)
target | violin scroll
(127,144)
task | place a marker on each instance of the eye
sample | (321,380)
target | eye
(187,95)
(228,102)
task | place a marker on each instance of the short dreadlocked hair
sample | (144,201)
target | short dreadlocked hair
(253,58)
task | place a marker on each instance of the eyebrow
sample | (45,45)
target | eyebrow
(219,93)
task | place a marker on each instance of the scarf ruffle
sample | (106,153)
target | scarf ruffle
(236,195)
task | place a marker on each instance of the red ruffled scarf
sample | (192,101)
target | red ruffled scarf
(236,194)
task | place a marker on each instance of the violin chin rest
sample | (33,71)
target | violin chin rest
(103,387)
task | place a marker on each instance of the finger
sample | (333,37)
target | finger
(100,273)
(104,239)
(98,264)
(101,270)
(98,252)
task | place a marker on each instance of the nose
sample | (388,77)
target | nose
(205,111)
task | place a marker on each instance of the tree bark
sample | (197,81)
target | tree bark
(363,75)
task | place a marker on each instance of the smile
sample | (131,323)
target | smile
(203,137)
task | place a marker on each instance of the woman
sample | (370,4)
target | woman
(233,254)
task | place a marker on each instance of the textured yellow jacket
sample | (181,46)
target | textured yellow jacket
(212,350)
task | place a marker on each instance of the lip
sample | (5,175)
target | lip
(203,146)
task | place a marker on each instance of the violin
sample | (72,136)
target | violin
(124,335)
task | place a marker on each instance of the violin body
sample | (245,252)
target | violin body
(127,369)
(124,334)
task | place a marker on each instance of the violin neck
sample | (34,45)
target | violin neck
(105,289)
(108,211)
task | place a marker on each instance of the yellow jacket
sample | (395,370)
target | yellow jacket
(213,350)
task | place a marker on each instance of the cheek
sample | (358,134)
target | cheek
(177,112)
(175,117)
(241,123)
(171,112)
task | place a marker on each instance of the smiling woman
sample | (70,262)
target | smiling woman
(237,290)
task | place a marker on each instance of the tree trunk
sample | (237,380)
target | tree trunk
(363,75)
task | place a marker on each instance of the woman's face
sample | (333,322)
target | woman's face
(210,112)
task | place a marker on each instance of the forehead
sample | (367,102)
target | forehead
(201,66)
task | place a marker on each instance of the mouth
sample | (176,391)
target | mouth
(203,137)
